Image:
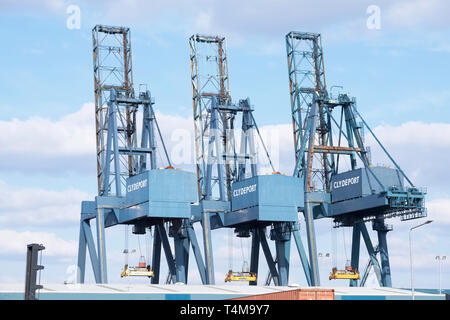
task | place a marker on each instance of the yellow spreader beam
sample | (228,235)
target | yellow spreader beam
(240,276)
(344,274)
(137,272)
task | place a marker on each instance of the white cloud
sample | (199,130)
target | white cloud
(265,19)
(439,211)
(15,243)
(50,6)
(256,22)
(67,144)
(42,144)
(266,16)
(73,134)
(418,135)
(419,149)
(418,12)
(40,207)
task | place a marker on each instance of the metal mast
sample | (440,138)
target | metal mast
(113,70)
(210,85)
(306,82)
(217,161)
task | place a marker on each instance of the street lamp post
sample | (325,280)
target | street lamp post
(411,254)
(440,259)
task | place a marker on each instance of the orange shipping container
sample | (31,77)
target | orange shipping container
(297,294)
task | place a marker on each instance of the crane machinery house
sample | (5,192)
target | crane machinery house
(273,197)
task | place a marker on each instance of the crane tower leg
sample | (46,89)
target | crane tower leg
(372,254)
(254,260)
(382,230)
(208,247)
(156,257)
(310,232)
(101,246)
(282,236)
(270,263)
(356,243)
(81,255)
(181,241)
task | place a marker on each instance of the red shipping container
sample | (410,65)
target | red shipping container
(297,294)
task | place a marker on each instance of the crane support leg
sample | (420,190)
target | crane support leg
(254,260)
(312,248)
(168,252)
(82,243)
(181,257)
(372,254)
(382,230)
(86,239)
(356,243)
(282,236)
(283,253)
(197,253)
(156,256)
(270,263)
(302,254)
(384,255)
(208,247)
(101,246)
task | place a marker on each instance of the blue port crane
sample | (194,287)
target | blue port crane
(340,182)
(232,194)
(132,190)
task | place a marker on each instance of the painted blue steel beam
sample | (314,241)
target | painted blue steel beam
(197,253)
(167,252)
(281,234)
(303,169)
(312,247)
(86,240)
(384,255)
(283,251)
(181,244)
(101,246)
(81,262)
(382,230)
(254,259)
(156,256)
(269,259)
(356,244)
(208,249)
(372,254)
(302,254)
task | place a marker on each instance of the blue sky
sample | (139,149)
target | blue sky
(398,73)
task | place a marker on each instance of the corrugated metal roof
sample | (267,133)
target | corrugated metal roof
(187,292)
(142,288)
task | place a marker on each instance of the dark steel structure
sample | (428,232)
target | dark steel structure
(332,159)
(132,190)
(231,193)
(32,270)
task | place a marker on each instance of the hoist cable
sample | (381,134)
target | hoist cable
(262,142)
